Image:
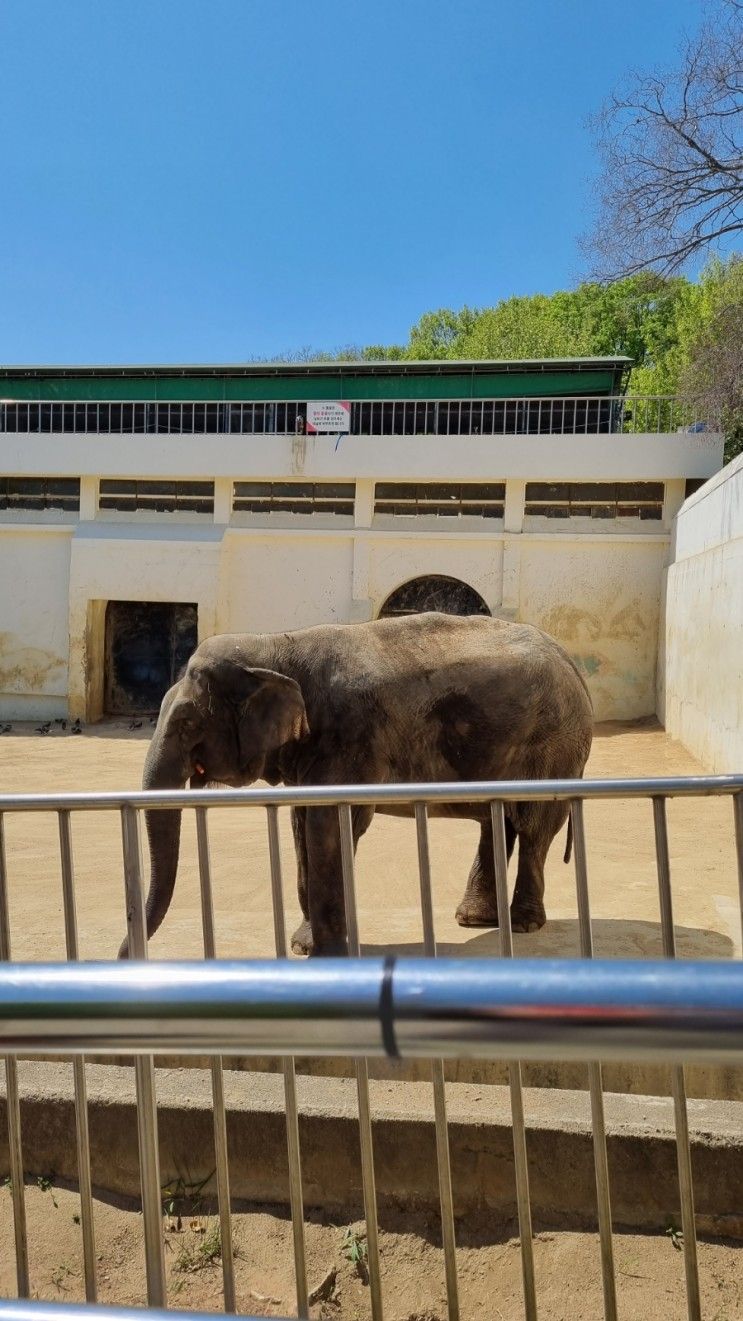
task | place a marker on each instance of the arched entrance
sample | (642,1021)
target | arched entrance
(434,592)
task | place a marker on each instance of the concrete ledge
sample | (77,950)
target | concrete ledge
(707,1082)
(642,1152)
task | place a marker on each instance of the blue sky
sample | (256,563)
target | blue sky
(215,180)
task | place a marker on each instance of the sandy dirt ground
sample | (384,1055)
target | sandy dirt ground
(626,922)
(649,1268)
(624,894)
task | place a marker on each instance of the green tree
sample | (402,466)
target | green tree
(711,378)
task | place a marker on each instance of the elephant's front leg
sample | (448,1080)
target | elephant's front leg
(302,938)
(327,909)
(479,907)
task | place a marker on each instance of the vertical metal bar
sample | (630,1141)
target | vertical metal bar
(149,1156)
(362,1074)
(437,1077)
(738,818)
(595,1083)
(78,1067)
(498,823)
(13,1102)
(678,1086)
(218,1106)
(290,1082)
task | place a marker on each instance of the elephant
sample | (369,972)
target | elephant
(419,698)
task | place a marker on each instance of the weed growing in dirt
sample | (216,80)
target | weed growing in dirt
(60,1275)
(183,1197)
(353,1247)
(676,1236)
(45,1183)
(204,1253)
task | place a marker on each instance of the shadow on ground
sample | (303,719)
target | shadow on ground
(613,938)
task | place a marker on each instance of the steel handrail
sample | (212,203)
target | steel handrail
(533,1009)
(485,791)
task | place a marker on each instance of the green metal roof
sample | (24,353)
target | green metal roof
(433,366)
(439,379)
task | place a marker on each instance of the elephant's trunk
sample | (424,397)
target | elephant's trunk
(164,769)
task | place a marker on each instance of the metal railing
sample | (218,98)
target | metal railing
(400,1008)
(546,415)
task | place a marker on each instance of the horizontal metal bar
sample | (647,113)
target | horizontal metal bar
(11,1310)
(486,791)
(541,1009)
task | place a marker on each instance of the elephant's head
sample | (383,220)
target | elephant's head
(223,722)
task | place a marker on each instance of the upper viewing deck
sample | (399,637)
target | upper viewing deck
(414,412)
(579,396)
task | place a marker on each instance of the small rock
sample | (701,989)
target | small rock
(324,1290)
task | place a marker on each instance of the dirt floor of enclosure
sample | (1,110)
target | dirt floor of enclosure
(621,857)
(649,1267)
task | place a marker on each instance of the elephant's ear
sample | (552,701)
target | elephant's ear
(273,715)
(179,720)
(269,710)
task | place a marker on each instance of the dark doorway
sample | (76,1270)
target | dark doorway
(147,646)
(435,592)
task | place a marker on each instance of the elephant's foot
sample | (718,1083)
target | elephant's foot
(526,918)
(330,949)
(477,911)
(302,942)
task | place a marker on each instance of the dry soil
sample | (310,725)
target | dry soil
(649,1268)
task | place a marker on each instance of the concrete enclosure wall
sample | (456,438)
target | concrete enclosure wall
(700,697)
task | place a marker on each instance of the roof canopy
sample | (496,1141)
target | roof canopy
(319,380)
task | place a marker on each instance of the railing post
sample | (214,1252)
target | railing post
(521,1166)
(13,1102)
(149,1156)
(446,1198)
(78,1067)
(362,1075)
(678,1086)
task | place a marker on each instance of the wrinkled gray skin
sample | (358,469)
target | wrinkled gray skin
(422,698)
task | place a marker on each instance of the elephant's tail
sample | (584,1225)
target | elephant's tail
(569,844)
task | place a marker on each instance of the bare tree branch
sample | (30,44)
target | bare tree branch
(672,154)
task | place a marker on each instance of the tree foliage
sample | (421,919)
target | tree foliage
(672,154)
(711,377)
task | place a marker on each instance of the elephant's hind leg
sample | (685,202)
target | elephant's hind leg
(479,907)
(542,823)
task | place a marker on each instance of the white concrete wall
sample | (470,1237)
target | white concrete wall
(600,597)
(701,699)
(596,589)
(648,457)
(34,638)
